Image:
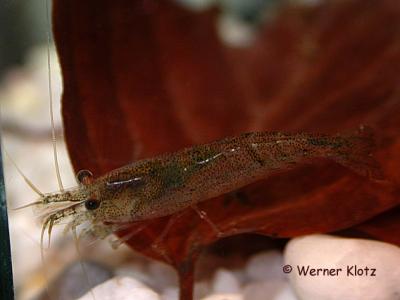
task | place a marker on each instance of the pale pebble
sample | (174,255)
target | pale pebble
(224,297)
(73,282)
(201,289)
(163,275)
(225,282)
(121,288)
(260,290)
(170,293)
(264,266)
(324,251)
(285,294)
(137,271)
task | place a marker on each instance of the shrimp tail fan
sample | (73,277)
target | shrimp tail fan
(356,153)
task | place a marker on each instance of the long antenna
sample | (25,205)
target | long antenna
(48,290)
(53,130)
(28,182)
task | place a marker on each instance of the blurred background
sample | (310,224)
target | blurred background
(26,131)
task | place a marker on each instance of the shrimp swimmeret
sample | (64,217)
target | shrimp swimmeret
(169,183)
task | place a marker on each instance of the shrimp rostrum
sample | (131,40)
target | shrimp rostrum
(169,183)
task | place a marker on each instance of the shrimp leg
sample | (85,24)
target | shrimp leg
(203,215)
(157,243)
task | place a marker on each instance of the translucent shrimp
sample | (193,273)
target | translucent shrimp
(169,183)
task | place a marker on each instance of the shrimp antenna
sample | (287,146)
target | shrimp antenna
(53,130)
(28,182)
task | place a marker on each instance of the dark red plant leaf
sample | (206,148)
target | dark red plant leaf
(385,226)
(145,77)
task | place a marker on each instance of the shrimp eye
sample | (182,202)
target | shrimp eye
(92,204)
(84,177)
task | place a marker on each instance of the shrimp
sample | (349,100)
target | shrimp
(170,183)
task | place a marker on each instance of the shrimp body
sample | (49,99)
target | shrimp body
(172,182)
(169,183)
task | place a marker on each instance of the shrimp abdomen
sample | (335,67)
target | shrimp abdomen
(356,154)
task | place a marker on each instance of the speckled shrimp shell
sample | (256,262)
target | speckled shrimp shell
(167,184)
